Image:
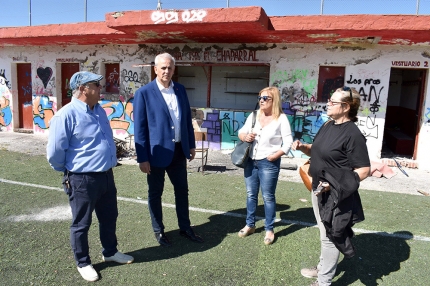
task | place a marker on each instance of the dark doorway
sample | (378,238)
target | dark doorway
(25,101)
(329,79)
(112,78)
(404,107)
(67,70)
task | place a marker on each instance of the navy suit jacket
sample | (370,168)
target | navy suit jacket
(154,133)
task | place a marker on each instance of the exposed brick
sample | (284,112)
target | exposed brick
(404,163)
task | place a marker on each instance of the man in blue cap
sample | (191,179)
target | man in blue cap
(81,145)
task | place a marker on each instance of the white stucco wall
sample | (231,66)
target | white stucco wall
(367,68)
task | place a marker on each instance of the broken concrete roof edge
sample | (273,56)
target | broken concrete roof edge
(213,25)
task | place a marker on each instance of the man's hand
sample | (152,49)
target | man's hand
(145,167)
(192,154)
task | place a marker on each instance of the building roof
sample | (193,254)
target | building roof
(225,25)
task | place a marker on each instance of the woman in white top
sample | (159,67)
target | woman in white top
(271,137)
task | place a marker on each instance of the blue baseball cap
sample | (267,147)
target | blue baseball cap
(83,77)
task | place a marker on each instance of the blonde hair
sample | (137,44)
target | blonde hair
(276,100)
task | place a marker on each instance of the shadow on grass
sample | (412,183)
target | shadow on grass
(302,215)
(213,232)
(377,255)
(214,169)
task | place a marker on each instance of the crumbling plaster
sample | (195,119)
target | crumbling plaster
(289,64)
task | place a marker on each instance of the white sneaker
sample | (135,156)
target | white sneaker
(119,257)
(88,273)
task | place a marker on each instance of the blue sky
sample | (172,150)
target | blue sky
(17,13)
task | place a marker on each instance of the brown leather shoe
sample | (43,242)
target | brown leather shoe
(269,240)
(246,231)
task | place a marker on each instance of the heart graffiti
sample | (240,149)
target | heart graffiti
(45,75)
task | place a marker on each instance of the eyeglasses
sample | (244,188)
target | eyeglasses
(265,98)
(345,88)
(329,102)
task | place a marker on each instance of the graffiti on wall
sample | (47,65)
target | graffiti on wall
(5,108)
(299,102)
(187,16)
(5,82)
(218,55)
(129,83)
(370,88)
(305,77)
(305,114)
(223,126)
(298,88)
(44,74)
(42,89)
(112,81)
(120,115)
(42,111)
(91,66)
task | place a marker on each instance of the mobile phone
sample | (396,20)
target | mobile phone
(318,189)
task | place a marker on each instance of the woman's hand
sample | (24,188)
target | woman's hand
(322,188)
(272,158)
(296,145)
(305,148)
(250,137)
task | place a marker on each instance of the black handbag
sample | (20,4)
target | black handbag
(240,154)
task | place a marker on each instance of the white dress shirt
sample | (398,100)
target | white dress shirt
(172,103)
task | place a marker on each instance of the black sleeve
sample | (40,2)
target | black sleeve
(357,153)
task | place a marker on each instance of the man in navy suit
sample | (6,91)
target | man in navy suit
(164,139)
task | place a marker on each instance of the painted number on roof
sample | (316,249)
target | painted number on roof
(173,16)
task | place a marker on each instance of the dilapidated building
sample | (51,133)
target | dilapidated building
(224,58)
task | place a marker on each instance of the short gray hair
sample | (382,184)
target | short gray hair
(164,56)
(76,92)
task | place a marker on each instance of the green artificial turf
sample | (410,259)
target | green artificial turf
(37,252)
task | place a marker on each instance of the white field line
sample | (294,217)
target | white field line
(231,214)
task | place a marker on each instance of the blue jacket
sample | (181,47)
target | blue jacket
(154,133)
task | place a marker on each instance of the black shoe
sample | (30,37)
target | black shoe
(191,235)
(162,239)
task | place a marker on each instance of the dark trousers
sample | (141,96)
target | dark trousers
(177,172)
(89,192)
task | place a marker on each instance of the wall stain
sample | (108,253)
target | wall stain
(345,48)
(258,48)
(425,54)
(148,35)
(357,62)
(188,49)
